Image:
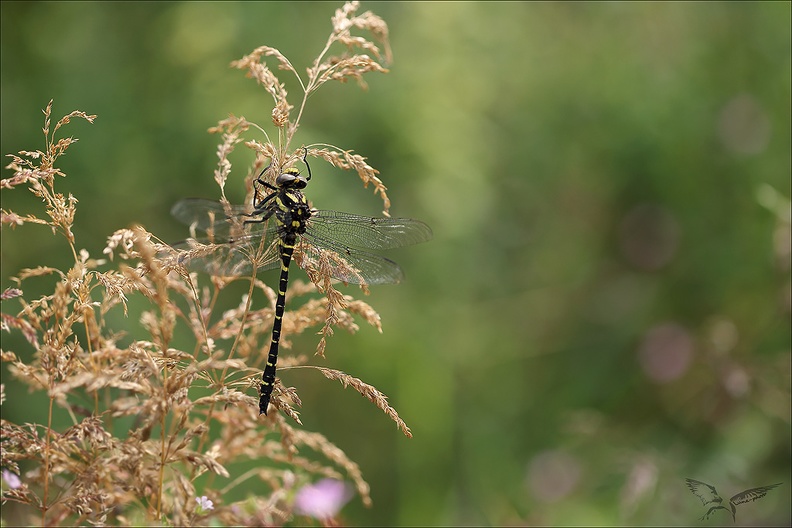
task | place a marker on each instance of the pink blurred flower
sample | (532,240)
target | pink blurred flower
(11,479)
(204,503)
(322,500)
(666,352)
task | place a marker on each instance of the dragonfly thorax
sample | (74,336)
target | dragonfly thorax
(293,213)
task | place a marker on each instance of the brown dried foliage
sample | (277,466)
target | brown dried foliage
(138,450)
(342,67)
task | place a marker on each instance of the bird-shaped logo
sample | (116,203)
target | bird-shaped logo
(709,495)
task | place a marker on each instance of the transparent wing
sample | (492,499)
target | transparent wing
(353,266)
(367,232)
(218,221)
(231,246)
(227,259)
(336,239)
(331,243)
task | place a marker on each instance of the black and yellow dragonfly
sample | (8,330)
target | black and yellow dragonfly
(279,224)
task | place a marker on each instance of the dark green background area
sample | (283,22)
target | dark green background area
(597,176)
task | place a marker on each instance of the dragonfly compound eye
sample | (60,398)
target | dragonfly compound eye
(291,179)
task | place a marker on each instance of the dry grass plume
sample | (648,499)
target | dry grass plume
(139,449)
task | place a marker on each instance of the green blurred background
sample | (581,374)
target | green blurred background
(605,307)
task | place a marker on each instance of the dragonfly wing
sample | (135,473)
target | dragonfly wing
(219,221)
(234,244)
(349,265)
(235,241)
(368,232)
(229,259)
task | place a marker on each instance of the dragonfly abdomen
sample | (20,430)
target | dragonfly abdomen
(287,244)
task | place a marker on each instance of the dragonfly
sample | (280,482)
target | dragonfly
(280,224)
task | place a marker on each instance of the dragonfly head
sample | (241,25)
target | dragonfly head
(291,179)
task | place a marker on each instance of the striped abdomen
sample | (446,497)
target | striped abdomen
(286,245)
